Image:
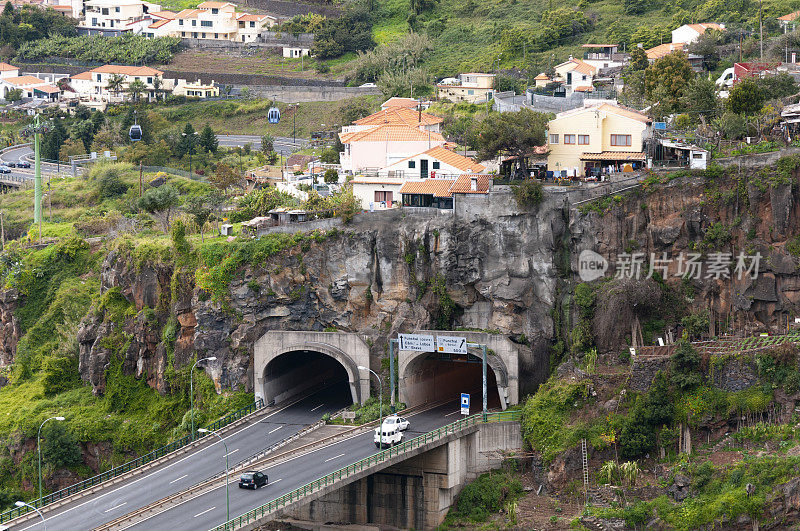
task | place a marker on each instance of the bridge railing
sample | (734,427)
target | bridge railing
(130,465)
(380,457)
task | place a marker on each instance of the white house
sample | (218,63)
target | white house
(474,87)
(602,56)
(689,33)
(252,26)
(291,52)
(435,162)
(93,85)
(30,87)
(374,148)
(7,70)
(114,17)
(195,89)
(397,116)
(576,75)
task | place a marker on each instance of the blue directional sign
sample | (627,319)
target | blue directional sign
(464,403)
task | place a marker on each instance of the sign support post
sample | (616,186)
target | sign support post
(391,372)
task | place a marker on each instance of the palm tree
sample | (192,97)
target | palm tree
(158,84)
(136,88)
(115,83)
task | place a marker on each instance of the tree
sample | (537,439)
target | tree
(730,125)
(700,98)
(160,202)
(707,46)
(187,142)
(52,141)
(666,79)
(778,86)
(59,446)
(225,177)
(13,95)
(156,154)
(745,98)
(136,88)
(511,133)
(71,147)
(635,7)
(329,156)
(208,140)
(200,211)
(267,144)
(331,176)
(83,131)
(638,59)
(98,120)
(351,32)
(158,86)
(686,373)
(115,83)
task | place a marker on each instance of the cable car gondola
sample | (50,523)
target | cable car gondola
(274,115)
(135,133)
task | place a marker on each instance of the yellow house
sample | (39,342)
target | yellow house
(473,88)
(588,140)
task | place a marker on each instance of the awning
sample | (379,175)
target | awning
(614,155)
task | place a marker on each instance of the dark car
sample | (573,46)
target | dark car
(5,169)
(11,164)
(253,480)
(23,164)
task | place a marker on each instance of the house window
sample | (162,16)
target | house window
(150,80)
(697,155)
(183,34)
(412,164)
(194,23)
(116,9)
(584,78)
(436,164)
(383,196)
(99,78)
(554,139)
(94,21)
(204,34)
(216,35)
(215,11)
(470,92)
(205,23)
(621,140)
(569,139)
(180,22)
(252,24)
(583,140)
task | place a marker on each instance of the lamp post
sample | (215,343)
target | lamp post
(191,386)
(23,504)
(227,496)
(294,124)
(36,129)
(380,398)
(39,449)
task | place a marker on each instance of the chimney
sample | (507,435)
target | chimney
(473,184)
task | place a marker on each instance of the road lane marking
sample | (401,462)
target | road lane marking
(178,479)
(233,451)
(319,406)
(276,429)
(335,457)
(115,507)
(204,512)
(453,413)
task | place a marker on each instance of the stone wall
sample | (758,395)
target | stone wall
(644,370)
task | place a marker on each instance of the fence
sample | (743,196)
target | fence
(366,463)
(130,465)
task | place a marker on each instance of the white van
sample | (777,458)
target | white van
(388,436)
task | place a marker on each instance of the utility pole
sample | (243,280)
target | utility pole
(37,189)
(2,232)
(761,27)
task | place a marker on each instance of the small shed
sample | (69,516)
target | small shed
(252,227)
(681,153)
(284,216)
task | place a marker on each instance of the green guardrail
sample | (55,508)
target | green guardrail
(130,465)
(349,470)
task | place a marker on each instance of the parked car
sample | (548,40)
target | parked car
(5,169)
(387,437)
(369,85)
(393,421)
(253,480)
(23,164)
(11,164)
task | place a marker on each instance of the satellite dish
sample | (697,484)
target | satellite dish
(274,115)
(135,133)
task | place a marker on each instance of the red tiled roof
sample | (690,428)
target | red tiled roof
(391,132)
(399,115)
(408,103)
(159,23)
(791,17)
(434,187)
(164,14)
(463,185)
(662,50)
(5,67)
(580,66)
(614,155)
(24,80)
(127,70)
(451,158)
(50,89)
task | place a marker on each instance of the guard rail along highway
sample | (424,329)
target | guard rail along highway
(256,514)
(130,465)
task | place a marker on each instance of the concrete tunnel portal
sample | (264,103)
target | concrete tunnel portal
(298,372)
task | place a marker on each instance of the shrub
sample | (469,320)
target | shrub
(528,193)
(59,446)
(487,494)
(686,366)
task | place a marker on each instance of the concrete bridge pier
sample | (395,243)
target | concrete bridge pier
(418,492)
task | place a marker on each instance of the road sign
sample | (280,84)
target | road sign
(451,345)
(417,342)
(464,404)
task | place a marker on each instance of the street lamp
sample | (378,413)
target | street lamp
(39,448)
(294,124)
(191,386)
(227,496)
(191,152)
(23,504)
(380,398)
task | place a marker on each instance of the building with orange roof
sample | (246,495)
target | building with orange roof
(7,70)
(588,139)
(376,147)
(473,87)
(97,85)
(395,102)
(29,87)
(575,73)
(115,17)
(442,193)
(789,21)
(437,161)
(689,33)
(541,80)
(662,50)
(397,115)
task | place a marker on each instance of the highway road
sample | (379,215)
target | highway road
(208,510)
(21,154)
(283,145)
(176,475)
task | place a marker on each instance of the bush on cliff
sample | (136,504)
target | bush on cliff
(487,494)
(528,194)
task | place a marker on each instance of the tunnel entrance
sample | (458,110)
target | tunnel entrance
(437,377)
(299,372)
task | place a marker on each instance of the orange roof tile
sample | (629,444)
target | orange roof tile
(246,17)
(580,66)
(50,89)
(164,14)
(24,80)
(188,13)
(214,5)
(625,111)
(791,17)
(5,67)
(127,70)
(82,75)
(702,27)
(409,103)
(391,132)
(463,185)
(542,77)
(159,23)
(614,155)
(434,187)
(662,50)
(584,89)
(451,158)
(399,115)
